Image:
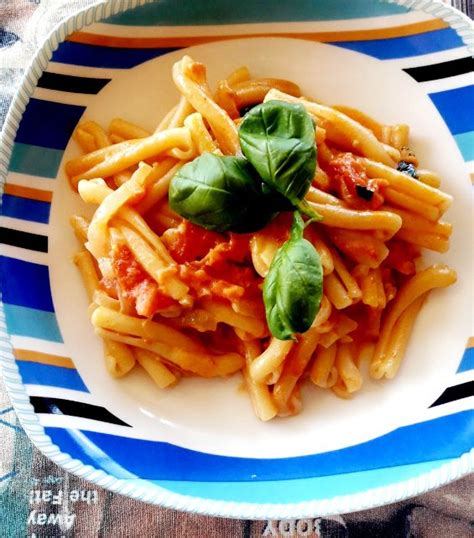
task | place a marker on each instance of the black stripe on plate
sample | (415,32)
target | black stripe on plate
(70,83)
(58,406)
(458,392)
(442,70)
(27,240)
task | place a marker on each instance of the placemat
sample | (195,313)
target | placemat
(38,499)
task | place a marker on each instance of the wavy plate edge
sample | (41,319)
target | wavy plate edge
(371,498)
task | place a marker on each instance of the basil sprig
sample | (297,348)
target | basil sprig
(293,287)
(221,194)
(278,139)
(242,195)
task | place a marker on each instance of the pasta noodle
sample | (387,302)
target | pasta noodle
(174,299)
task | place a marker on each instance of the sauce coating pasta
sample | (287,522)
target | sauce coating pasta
(179,299)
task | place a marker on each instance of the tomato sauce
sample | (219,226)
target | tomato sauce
(402,256)
(189,242)
(137,286)
(213,263)
(352,184)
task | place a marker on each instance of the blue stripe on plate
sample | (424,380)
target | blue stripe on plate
(112,57)
(25,208)
(23,321)
(34,373)
(190,12)
(467,362)
(456,106)
(48,124)
(305,489)
(35,160)
(25,284)
(427,441)
(404,47)
(465,142)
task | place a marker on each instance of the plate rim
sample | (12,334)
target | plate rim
(371,498)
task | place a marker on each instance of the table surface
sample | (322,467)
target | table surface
(31,485)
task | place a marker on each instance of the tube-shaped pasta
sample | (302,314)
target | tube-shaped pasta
(79,165)
(262,399)
(359,136)
(362,118)
(429,178)
(270,359)
(314,237)
(250,92)
(116,139)
(189,77)
(323,314)
(182,111)
(263,249)
(335,292)
(153,146)
(436,276)
(225,98)
(101,298)
(398,342)
(151,363)
(352,219)
(96,192)
(349,374)
(152,331)
(405,183)
(127,130)
(370,289)
(224,313)
(163,273)
(159,189)
(202,364)
(85,140)
(361,246)
(85,264)
(119,359)
(405,201)
(238,75)
(353,290)
(294,366)
(323,363)
(417,223)
(200,135)
(101,139)
(97,234)
(427,240)
(320,197)
(80,225)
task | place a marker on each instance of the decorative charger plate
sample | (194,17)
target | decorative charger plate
(199,447)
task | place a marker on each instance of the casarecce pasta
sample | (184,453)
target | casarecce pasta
(177,295)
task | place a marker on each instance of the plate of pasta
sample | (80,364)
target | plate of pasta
(237,273)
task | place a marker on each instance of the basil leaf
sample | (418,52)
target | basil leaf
(293,287)
(278,139)
(221,194)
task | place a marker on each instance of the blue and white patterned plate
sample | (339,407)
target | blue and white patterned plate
(198,447)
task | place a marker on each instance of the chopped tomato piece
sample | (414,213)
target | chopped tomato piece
(137,286)
(189,242)
(226,271)
(351,182)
